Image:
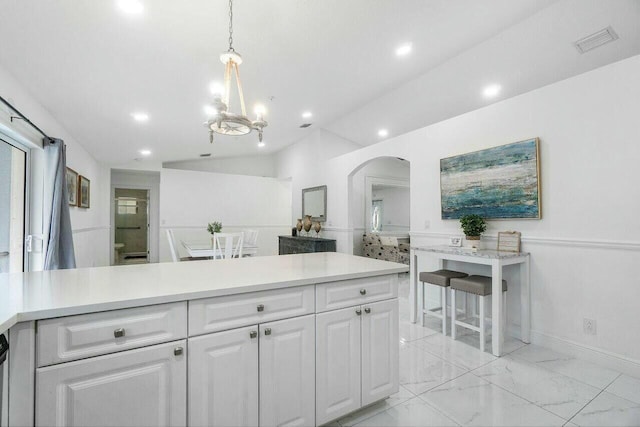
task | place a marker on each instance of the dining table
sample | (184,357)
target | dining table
(204,249)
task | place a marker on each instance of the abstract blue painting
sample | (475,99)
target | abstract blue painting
(499,182)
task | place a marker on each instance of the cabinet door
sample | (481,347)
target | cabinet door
(143,387)
(338,363)
(223,378)
(287,372)
(380,348)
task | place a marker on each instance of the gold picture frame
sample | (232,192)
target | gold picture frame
(84,192)
(509,241)
(72,187)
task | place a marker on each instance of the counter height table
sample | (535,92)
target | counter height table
(496,260)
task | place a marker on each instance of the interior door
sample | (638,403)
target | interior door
(13,164)
(380,350)
(223,378)
(287,372)
(338,363)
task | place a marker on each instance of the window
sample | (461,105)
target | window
(127,206)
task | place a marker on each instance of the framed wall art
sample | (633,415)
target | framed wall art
(72,187)
(497,183)
(84,192)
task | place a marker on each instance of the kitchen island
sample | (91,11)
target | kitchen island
(296,339)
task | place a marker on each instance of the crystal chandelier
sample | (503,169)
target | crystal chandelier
(223,121)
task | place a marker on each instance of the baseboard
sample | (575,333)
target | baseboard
(601,357)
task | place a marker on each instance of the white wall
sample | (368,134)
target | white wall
(395,208)
(586,248)
(305,161)
(90,226)
(147,180)
(189,200)
(247,165)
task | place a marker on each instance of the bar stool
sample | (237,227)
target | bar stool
(481,287)
(439,278)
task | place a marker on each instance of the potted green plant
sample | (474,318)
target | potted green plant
(473,226)
(214,227)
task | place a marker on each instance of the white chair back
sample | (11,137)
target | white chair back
(251,237)
(224,247)
(175,256)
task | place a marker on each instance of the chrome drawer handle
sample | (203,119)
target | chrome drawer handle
(267,331)
(358,312)
(261,307)
(367,310)
(363,291)
(178,351)
(118,333)
(253,334)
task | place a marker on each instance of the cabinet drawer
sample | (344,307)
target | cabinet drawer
(234,311)
(347,293)
(77,337)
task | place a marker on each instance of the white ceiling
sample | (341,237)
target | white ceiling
(91,66)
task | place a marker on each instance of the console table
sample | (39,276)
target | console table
(302,245)
(496,260)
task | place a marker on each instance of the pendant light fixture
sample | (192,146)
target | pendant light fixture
(221,120)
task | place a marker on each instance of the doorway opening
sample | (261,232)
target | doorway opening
(131,219)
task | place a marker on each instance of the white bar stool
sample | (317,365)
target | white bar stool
(439,278)
(481,287)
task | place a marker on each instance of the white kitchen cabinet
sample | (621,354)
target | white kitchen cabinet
(287,372)
(380,350)
(337,363)
(223,378)
(356,358)
(141,387)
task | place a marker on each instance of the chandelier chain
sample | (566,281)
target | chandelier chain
(231,49)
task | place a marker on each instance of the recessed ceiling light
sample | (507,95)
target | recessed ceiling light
(404,50)
(306,114)
(131,7)
(492,90)
(145,152)
(140,117)
(383,133)
(261,144)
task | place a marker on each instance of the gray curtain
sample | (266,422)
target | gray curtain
(60,253)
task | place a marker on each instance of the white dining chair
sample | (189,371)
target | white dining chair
(228,249)
(175,256)
(250,239)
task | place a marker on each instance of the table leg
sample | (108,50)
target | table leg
(497,337)
(525,301)
(413,288)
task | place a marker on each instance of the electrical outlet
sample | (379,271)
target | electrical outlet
(589,326)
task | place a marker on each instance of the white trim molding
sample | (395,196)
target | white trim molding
(87,229)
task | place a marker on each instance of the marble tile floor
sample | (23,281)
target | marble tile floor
(451,383)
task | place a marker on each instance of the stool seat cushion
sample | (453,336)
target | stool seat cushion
(478,285)
(440,277)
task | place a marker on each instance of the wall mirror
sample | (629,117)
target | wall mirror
(314,203)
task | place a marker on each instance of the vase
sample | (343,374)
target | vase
(317,227)
(306,224)
(299,225)
(472,242)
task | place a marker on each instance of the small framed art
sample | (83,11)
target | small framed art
(72,187)
(509,241)
(455,241)
(84,192)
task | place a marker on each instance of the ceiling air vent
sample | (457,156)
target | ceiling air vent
(305,125)
(595,40)
(205,155)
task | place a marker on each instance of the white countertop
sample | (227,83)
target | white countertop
(46,294)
